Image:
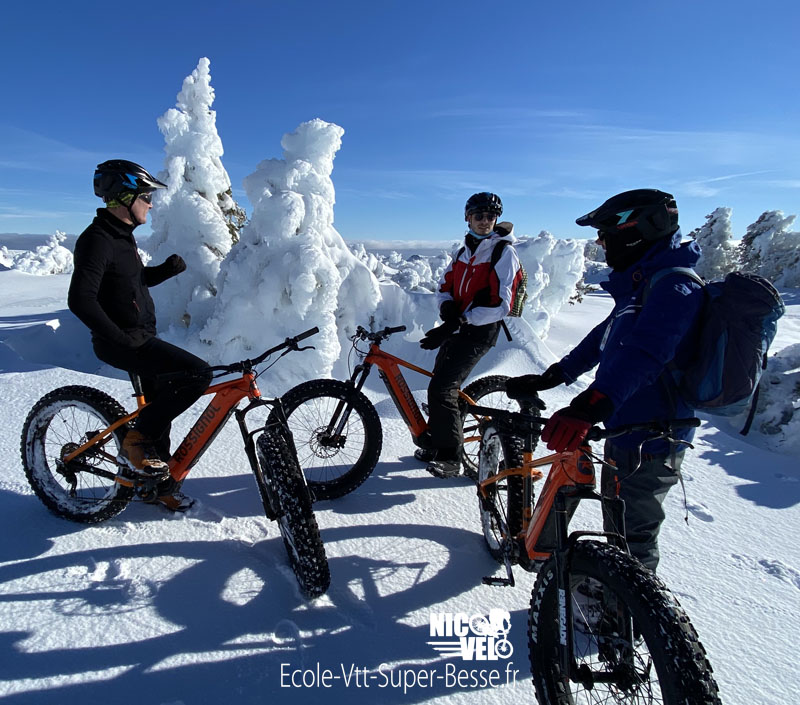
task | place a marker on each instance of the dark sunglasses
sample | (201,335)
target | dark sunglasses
(146,197)
(484,216)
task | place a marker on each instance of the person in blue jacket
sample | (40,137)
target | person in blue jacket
(647,329)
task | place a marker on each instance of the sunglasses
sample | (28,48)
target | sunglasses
(146,197)
(483,216)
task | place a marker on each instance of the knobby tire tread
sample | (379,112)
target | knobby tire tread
(298,524)
(40,469)
(477,390)
(679,659)
(512,500)
(307,442)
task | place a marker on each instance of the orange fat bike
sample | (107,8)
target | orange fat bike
(602,627)
(72,437)
(337,429)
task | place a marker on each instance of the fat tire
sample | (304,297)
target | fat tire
(497,453)
(670,645)
(59,420)
(296,519)
(478,390)
(308,408)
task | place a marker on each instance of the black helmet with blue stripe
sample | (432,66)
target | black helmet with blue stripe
(119,176)
(645,213)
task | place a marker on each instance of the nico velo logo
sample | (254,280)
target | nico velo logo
(474,637)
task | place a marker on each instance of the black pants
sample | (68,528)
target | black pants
(643,491)
(455,360)
(167,399)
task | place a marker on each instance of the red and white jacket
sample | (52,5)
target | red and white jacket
(484,295)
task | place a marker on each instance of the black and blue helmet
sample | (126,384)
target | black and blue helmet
(119,176)
(646,213)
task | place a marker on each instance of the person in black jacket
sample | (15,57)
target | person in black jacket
(109,293)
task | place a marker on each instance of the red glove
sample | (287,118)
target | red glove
(567,428)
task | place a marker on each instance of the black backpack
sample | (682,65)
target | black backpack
(737,324)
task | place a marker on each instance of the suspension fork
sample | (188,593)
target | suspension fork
(563,561)
(341,413)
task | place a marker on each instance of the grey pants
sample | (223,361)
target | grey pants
(643,491)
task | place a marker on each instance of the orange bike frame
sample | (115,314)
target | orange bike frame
(227,396)
(569,469)
(390,372)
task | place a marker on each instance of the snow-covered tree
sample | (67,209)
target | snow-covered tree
(196,216)
(554,267)
(758,240)
(592,252)
(719,256)
(778,414)
(52,258)
(291,269)
(775,249)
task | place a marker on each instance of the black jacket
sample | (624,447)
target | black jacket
(109,287)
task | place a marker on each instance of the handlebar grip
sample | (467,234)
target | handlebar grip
(307,334)
(395,329)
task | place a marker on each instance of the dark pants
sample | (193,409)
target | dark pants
(455,360)
(167,399)
(643,492)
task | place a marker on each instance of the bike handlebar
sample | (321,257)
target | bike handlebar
(288,344)
(524,422)
(378,336)
(598,434)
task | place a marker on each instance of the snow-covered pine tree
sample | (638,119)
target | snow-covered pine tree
(758,238)
(719,255)
(291,269)
(196,216)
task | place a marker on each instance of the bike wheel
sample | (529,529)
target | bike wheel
(641,647)
(506,495)
(296,520)
(83,490)
(486,391)
(334,463)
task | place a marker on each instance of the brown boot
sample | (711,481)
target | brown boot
(140,457)
(168,494)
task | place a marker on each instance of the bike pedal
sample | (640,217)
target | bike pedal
(505,582)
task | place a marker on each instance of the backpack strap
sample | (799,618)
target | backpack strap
(497,253)
(661,273)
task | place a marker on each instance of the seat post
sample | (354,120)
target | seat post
(138,391)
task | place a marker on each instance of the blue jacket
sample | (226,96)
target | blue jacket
(632,347)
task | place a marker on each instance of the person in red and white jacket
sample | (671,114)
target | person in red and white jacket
(473,297)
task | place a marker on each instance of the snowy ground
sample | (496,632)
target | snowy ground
(203,608)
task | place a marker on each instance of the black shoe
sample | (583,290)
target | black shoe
(425,455)
(444,468)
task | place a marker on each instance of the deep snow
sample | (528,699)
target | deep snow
(202,608)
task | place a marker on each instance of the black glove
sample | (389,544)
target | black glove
(529,385)
(567,428)
(449,311)
(436,336)
(171,266)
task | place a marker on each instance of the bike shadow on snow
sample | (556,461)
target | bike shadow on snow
(773,479)
(230,616)
(391,484)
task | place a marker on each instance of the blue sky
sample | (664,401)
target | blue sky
(555,106)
